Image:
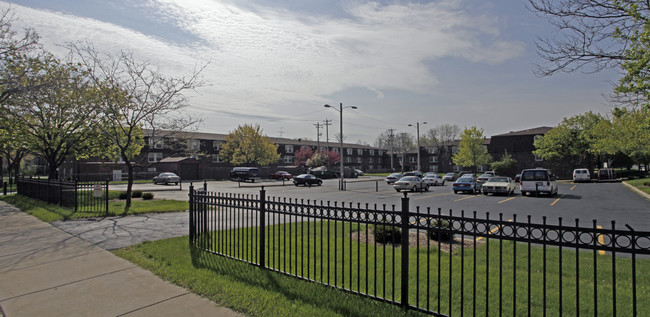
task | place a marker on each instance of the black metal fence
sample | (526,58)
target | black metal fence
(489,267)
(75,195)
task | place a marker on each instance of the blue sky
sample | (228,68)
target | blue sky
(276,63)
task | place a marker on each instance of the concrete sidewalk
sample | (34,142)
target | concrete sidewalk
(47,272)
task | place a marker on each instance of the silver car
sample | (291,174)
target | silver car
(411,183)
(434,180)
(393,178)
(166,178)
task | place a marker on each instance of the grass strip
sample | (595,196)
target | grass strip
(50,212)
(642,184)
(247,288)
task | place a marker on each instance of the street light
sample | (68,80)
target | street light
(340,110)
(417,125)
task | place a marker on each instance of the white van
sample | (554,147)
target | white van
(537,180)
(581,175)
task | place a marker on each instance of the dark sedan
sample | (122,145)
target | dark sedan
(307,180)
(281,175)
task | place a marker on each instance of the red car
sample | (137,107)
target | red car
(281,175)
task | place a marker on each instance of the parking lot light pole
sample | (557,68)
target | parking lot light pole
(417,127)
(340,110)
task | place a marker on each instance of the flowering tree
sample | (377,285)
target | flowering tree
(302,156)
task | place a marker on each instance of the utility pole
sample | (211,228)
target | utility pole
(317,124)
(390,142)
(327,133)
(281,132)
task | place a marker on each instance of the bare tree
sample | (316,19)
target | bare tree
(404,142)
(440,137)
(134,95)
(594,33)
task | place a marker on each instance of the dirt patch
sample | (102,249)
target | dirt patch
(420,241)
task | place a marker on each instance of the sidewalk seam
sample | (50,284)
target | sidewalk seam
(153,304)
(69,283)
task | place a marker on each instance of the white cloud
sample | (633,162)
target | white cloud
(267,60)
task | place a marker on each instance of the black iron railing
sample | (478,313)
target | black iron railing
(490,266)
(75,195)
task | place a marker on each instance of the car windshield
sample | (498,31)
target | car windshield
(485,176)
(409,179)
(395,175)
(449,174)
(498,180)
(167,174)
(304,175)
(465,180)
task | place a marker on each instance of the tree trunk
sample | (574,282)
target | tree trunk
(129,186)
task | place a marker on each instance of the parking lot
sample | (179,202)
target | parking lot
(603,202)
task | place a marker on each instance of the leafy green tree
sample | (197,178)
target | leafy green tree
(247,146)
(637,54)
(504,166)
(471,151)
(58,115)
(628,133)
(572,141)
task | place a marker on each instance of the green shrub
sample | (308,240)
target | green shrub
(122,195)
(387,234)
(442,235)
(147,196)
(136,194)
(646,183)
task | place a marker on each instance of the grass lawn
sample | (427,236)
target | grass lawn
(247,288)
(49,212)
(641,183)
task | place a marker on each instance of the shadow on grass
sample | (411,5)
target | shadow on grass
(294,289)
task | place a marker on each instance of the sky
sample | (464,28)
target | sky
(276,63)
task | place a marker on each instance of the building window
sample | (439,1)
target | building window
(288,148)
(154,157)
(372,152)
(194,144)
(454,149)
(349,151)
(348,159)
(288,158)
(433,168)
(215,158)
(370,160)
(371,167)
(433,159)
(157,142)
(379,160)
(380,152)
(413,159)
(538,158)
(360,151)
(359,160)
(433,150)
(336,150)
(216,145)
(304,148)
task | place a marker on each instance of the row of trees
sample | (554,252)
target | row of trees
(88,103)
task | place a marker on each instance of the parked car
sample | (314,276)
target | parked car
(498,185)
(413,173)
(243,174)
(324,174)
(484,178)
(166,178)
(581,175)
(450,177)
(393,178)
(466,184)
(281,175)
(606,175)
(493,173)
(359,172)
(307,180)
(537,180)
(411,183)
(433,179)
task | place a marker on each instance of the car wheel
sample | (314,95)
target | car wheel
(397,190)
(296,184)
(176,183)
(426,188)
(414,189)
(455,192)
(485,193)
(165,182)
(473,191)
(320,183)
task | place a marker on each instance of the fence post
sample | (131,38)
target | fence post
(204,210)
(4,188)
(76,199)
(107,196)
(405,250)
(191,194)
(262,244)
